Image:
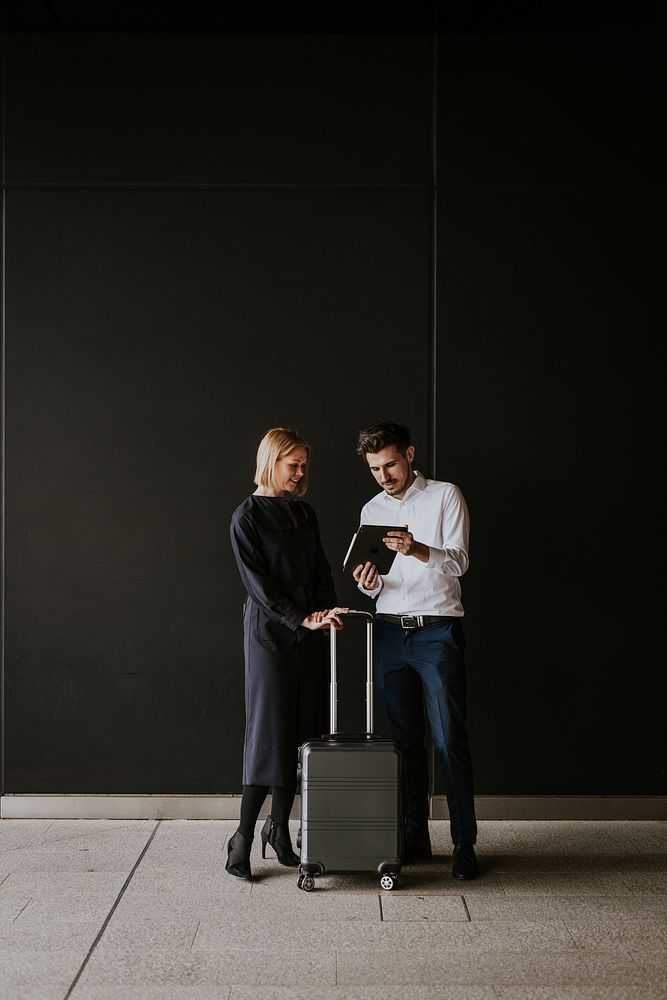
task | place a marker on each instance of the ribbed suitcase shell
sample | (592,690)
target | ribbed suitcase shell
(351,793)
(351,806)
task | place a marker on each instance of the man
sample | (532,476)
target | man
(419,642)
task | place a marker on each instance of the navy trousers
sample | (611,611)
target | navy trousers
(417,672)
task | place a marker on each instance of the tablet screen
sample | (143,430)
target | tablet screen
(367,546)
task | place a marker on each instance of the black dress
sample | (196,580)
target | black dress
(276,542)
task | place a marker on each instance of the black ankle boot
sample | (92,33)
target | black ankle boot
(279,838)
(238,856)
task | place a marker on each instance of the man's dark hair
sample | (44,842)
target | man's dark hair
(383,435)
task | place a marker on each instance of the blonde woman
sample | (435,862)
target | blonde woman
(276,542)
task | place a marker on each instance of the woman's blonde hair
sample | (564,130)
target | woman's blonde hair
(276,444)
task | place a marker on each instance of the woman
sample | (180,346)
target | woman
(276,542)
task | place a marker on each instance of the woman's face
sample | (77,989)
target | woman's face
(290,470)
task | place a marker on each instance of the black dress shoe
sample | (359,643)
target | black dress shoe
(465,863)
(238,856)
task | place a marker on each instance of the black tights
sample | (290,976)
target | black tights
(252,801)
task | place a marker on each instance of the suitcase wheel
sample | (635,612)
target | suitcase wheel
(389,881)
(306,882)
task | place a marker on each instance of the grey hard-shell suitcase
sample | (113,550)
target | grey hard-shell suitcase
(351,794)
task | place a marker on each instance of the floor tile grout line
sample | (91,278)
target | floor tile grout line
(23,847)
(112,911)
(576,943)
(22,909)
(62,840)
(631,955)
(194,938)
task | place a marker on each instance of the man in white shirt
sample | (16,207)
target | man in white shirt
(419,641)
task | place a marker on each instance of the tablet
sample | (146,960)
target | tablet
(367,546)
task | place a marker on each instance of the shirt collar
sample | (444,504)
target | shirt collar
(419,485)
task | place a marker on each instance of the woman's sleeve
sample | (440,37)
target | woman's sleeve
(324,591)
(256,578)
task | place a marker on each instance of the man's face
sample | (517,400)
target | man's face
(392,470)
(290,470)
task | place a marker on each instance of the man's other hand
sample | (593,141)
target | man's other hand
(367,575)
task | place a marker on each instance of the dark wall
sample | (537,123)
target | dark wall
(551,219)
(208,235)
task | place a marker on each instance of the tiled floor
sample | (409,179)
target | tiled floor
(111,910)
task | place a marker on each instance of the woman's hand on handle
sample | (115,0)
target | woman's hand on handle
(324,619)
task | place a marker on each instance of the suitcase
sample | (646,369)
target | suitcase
(351,794)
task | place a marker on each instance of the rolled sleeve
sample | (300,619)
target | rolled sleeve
(453,562)
(452,558)
(372,593)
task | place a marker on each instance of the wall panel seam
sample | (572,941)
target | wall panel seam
(3,248)
(433,299)
(206,186)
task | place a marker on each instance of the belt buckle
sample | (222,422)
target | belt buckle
(410,618)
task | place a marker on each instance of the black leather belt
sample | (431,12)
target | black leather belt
(417,621)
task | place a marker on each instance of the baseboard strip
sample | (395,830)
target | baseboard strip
(545,807)
(489,807)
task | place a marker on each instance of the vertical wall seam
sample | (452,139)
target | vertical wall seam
(433,296)
(433,290)
(3,248)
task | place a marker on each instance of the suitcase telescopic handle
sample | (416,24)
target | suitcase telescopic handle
(333,687)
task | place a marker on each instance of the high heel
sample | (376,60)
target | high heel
(279,839)
(238,856)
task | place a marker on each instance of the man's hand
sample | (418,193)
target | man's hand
(324,619)
(406,544)
(367,576)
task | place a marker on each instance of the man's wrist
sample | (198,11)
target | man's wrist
(421,552)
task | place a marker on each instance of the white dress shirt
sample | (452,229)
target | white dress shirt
(436,514)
